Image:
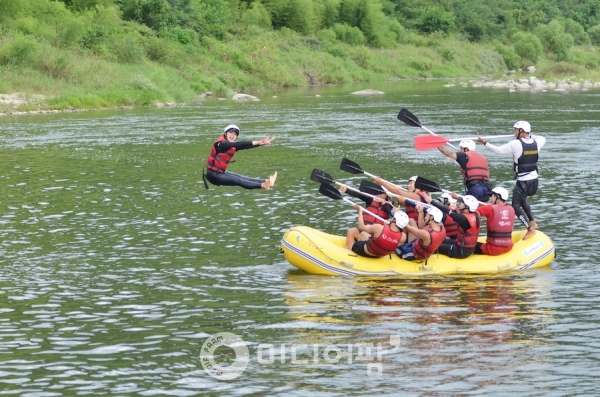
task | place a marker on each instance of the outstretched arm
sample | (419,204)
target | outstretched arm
(447,152)
(252,144)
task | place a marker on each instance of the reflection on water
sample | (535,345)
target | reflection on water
(116,264)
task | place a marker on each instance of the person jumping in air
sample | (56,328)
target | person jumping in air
(222,152)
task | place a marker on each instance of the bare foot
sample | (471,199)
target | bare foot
(530,232)
(266,185)
(533,224)
(272,179)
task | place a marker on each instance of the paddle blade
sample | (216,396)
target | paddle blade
(320,176)
(350,166)
(329,191)
(408,118)
(427,142)
(427,185)
(370,188)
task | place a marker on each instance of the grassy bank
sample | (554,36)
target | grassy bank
(138,67)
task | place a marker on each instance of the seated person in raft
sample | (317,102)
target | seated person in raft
(378,240)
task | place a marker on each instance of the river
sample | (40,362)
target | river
(117,266)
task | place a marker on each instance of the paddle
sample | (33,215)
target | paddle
(368,185)
(331,192)
(427,142)
(410,119)
(431,186)
(322,177)
(353,168)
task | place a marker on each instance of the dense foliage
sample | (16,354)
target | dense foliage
(50,38)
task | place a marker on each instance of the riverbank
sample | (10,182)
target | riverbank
(12,104)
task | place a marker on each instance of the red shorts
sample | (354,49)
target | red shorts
(493,250)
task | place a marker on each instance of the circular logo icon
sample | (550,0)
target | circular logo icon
(228,372)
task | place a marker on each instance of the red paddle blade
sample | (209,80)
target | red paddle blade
(427,142)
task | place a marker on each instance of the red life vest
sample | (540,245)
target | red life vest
(499,230)
(468,239)
(451,227)
(378,209)
(478,168)
(412,211)
(437,238)
(384,244)
(218,162)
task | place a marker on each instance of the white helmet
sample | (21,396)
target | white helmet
(524,125)
(500,192)
(471,202)
(436,214)
(401,219)
(468,143)
(232,127)
(446,198)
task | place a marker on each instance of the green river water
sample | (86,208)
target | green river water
(117,265)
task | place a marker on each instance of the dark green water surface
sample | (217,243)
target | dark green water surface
(116,264)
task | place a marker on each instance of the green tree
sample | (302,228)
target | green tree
(575,29)
(527,46)
(555,40)
(156,14)
(257,15)
(298,15)
(436,19)
(594,33)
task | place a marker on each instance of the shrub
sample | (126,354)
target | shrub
(363,57)
(349,34)
(327,35)
(527,46)
(177,34)
(511,58)
(337,51)
(140,82)
(490,62)
(447,54)
(19,50)
(57,64)
(126,50)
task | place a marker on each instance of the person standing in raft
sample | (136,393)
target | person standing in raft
(222,152)
(474,168)
(377,240)
(500,223)
(525,149)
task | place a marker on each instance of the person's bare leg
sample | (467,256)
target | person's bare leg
(352,235)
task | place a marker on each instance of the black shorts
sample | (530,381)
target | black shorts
(359,248)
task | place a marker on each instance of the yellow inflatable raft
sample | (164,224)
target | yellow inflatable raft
(317,252)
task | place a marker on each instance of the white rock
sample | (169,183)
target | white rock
(244,97)
(368,92)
